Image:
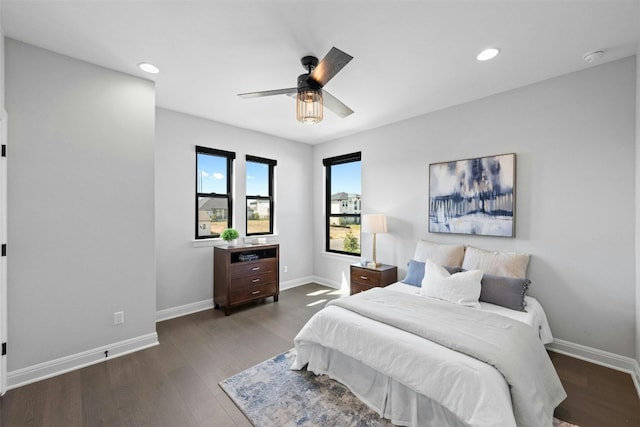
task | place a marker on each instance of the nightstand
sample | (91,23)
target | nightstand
(363,278)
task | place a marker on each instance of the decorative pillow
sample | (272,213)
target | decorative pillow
(460,288)
(415,273)
(440,254)
(504,291)
(508,264)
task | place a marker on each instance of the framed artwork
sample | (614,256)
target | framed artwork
(473,196)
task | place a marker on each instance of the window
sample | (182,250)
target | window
(343,203)
(259,195)
(214,169)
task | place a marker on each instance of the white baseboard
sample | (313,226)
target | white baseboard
(326,282)
(66,364)
(183,310)
(289,284)
(309,279)
(194,307)
(599,357)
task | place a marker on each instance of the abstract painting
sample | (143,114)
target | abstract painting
(473,196)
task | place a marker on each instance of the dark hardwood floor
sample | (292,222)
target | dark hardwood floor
(176,383)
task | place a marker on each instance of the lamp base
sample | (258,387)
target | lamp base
(372,264)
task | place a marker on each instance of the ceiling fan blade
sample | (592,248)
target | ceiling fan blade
(330,65)
(335,105)
(288,91)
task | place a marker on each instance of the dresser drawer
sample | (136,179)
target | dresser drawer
(250,268)
(256,292)
(365,276)
(253,281)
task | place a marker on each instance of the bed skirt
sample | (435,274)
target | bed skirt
(389,398)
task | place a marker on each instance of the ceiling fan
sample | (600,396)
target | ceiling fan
(310,96)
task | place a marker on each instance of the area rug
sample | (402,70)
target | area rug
(270,394)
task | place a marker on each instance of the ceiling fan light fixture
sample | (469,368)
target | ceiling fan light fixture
(309,106)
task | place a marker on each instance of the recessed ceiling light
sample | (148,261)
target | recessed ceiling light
(488,54)
(149,68)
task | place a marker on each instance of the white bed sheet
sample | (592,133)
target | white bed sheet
(405,378)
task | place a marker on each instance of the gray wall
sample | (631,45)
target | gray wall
(574,138)
(637,198)
(185,270)
(2,83)
(80,205)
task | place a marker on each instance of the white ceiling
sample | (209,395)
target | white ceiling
(410,57)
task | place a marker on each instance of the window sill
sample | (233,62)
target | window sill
(217,241)
(341,257)
(207,243)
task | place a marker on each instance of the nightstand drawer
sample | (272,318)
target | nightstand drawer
(359,287)
(365,277)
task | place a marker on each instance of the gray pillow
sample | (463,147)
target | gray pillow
(504,291)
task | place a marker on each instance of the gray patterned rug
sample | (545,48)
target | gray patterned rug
(270,394)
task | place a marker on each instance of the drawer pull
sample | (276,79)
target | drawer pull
(255,268)
(255,292)
(255,280)
(364,277)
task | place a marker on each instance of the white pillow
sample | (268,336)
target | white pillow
(508,264)
(449,255)
(460,288)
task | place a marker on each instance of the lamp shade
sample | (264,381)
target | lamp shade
(374,223)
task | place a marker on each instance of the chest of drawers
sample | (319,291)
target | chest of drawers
(242,274)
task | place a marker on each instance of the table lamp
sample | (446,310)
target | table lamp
(374,223)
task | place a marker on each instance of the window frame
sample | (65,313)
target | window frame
(270,198)
(230,157)
(333,161)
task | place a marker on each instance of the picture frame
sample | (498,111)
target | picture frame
(473,196)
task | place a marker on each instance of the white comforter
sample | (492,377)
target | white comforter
(472,390)
(534,316)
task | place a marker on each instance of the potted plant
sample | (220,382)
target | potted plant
(229,235)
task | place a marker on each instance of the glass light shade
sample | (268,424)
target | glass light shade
(309,106)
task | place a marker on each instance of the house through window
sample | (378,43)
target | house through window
(214,169)
(260,204)
(343,202)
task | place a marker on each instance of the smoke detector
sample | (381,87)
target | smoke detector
(595,55)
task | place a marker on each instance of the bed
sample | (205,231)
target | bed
(420,361)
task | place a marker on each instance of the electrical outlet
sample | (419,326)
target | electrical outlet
(286,268)
(118,317)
